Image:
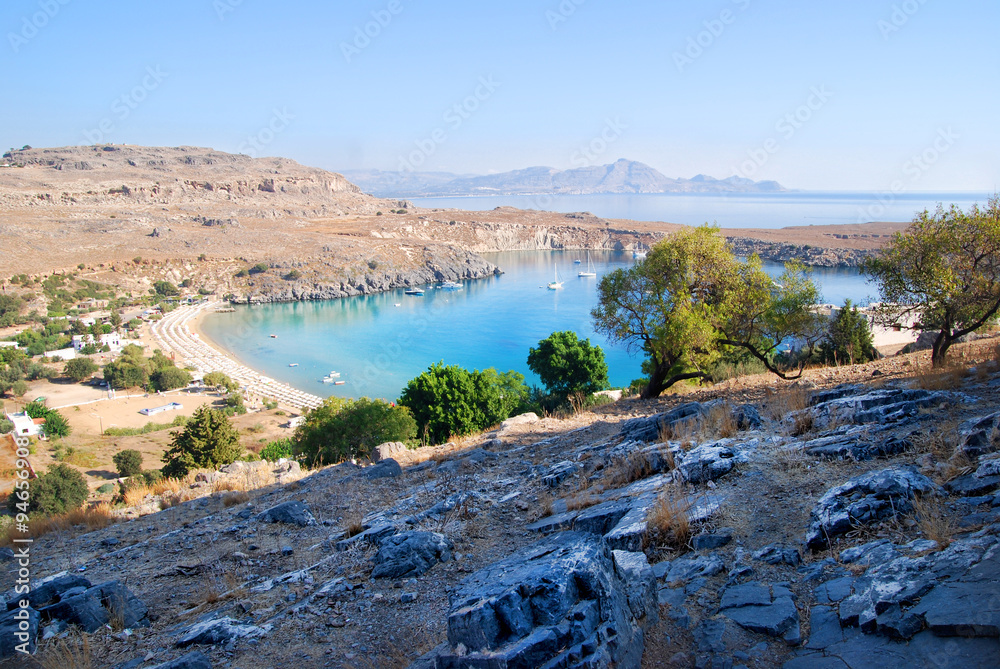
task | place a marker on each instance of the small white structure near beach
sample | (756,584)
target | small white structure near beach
(111,340)
(25,425)
(173,406)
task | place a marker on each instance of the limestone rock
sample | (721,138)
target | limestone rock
(220,630)
(410,554)
(390,449)
(292,513)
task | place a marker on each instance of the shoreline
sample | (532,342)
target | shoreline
(180,333)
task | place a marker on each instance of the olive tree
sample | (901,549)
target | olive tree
(942,273)
(566,364)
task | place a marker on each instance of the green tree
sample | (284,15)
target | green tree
(565,364)
(169,378)
(36,410)
(340,430)
(6,426)
(943,273)
(80,369)
(848,338)
(128,463)
(220,381)
(276,450)
(56,426)
(208,441)
(116,320)
(691,297)
(449,400)
(165,289)
(59,490)
(122,374)
(20,388)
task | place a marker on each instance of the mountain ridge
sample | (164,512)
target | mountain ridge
(622,177)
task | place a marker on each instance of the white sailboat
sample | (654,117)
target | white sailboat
(555,284)
(590,268)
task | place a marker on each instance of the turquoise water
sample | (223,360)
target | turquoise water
(380,342)
(729,210)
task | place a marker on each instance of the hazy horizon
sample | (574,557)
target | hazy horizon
(855,96)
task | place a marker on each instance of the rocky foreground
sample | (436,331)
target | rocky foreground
(848,521)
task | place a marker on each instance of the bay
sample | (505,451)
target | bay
(379,342)
(729,210)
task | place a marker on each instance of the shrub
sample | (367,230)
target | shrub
(20,388)
(208,440)
(165,288)
(56,425)
(6,426)
(339,430)
(169,378)
(128,462)
(849,338)
(220,381)
(80,369)
(294,275)
(59,490)
(259,268)
(277,450)
(447,400)
(566,365)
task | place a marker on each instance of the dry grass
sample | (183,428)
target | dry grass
(719,422)
(941,442)
(623,471)
(935,520)
(354,521)
(86,518)
(72,652)
(235,497)
(685,430)
(667,524)
(951,377)
(136,494)
(803,423)
(778,404)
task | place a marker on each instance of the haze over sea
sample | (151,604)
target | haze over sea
(380,342)
(729,210)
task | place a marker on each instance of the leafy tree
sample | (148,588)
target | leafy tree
(259,268)
(20,388)
(944,272)
(59,490)
(340,430)
(849,338)
(36,410)
(122,374)
(56,426)
(276,450)
(447,400)
(691,298)
(80,369)
(6,426)
(169,378)
(165,288)
(128,463)
(208,440)
(220,381)
(116,321)
(565,364)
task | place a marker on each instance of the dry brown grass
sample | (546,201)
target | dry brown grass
(354,521)
(935,520)
(941,442)
(667,524)
(72,652)
(86,518)
(136,494)
(234,497)
(719,422)
(951,377)
(780,403)
(623,471)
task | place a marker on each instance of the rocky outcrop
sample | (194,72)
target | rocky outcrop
(410,554)
(566,601)
(815,256)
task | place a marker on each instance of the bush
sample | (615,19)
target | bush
(128,462)
(339,429)
(567,365)
(277,450)
(165,288)
(59,490)
(20,388)
(294,275)
(208,440)
(450,400)
(80,369)
(234,405)
(169,378)
(56,426)
(849,338)
(122,374)
(220,380)
(260,268)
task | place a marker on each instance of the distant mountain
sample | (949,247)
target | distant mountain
(623,176)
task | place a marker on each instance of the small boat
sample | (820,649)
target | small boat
(334,375)
(590,268)
(339,383)
(415,292)
(638,255)
(326,379)
(398,304)
(293,364)
(274,336)
(555,284)
(577,261)
(451,285)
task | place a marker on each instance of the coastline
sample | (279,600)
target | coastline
(180,333)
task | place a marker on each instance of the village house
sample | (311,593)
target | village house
(25,425)
(112,340)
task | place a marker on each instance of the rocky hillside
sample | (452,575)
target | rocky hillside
(622,176)
(849,520)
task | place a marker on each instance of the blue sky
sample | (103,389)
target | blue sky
(849,95)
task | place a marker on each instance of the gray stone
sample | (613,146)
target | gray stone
(47,591)
(824,628)
(388,450)
(410,554)
(293,512)
(640,585)
(971,485)
(559,472)
(385,469)
(564,601)
(777,554)
(969,605)
(708,636)
(923,650)
(870,553)
(686,568)
(373,535)
(896,624)
(864,500)
(97,605)
(193,660)
(775,616)
(711,541)
(220,630)
(649,428)
(980,435)
(748,594)
(12,634)
(84,610)
(708,462)
(835,590)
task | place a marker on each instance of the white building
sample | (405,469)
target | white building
(111,340)
(25,425)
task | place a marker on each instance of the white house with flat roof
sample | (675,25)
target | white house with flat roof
(25,425)
(112,340)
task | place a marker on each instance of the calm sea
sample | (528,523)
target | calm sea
(729,210)
(380,342)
